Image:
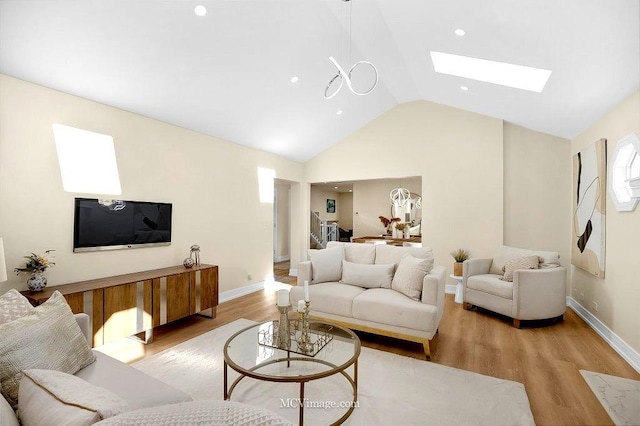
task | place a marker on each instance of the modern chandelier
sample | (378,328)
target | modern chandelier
(342,76)
(400,197)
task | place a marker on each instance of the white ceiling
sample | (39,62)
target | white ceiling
(227,74)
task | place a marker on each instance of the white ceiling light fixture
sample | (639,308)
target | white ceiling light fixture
(401,196)
(200,10)
(295,79)
(502,73)
(464,88)
(339,79)
(460,32)
(339,112)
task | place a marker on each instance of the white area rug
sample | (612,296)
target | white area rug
(392,389)
(620,397)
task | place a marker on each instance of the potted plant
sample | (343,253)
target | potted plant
(459,256)
(35,265)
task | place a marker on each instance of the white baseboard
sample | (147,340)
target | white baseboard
(293,272)
(225,296)
(281,258)
(618,345)
(450,289)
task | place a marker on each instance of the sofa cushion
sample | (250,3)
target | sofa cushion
(13,305)
(51,397)
(204,412)
(355,252)
(386,254)
(547,259)
(326,264)
(491,284)
(409,276)
(386,306)
(331,298)
(49,338)
(132,385)
(368,276)
(7,415)
(525,262)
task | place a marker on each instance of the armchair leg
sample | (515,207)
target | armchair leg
(516,323)
(427,351)
(466,306)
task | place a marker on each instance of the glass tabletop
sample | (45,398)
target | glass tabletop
(247,353)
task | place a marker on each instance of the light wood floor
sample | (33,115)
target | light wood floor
(545,358)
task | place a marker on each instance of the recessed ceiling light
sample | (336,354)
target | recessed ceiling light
(200,10)
(294,79)
(464,88)
(335,187)
(351,190)
(510,75)
(460,32)
(339,112)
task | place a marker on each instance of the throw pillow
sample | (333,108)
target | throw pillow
(50,338)
(525,262)
(51,397)
(13,305)
(504,254)
(410,275)
(326,265)
(356,252)
(7,415)
(368,276)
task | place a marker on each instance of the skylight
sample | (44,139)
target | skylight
(510,75)
(87,161)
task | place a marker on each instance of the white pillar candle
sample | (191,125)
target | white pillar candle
(301,306)
(283,297)
(306,291)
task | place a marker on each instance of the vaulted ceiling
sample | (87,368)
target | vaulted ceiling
(228,73)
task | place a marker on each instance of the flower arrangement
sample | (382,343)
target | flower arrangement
(460,255)
(402,226)
(36,263)
(388,223)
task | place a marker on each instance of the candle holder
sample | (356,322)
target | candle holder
(304,341)
(283,339)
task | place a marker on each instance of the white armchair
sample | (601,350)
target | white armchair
(534,294)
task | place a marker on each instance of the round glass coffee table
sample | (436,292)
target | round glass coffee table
(252,353)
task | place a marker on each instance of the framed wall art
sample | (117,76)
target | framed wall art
(589,212)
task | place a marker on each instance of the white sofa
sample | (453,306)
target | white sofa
(380,310)
(534,294)
(106,389)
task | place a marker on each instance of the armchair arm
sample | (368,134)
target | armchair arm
(433,286)
(472,267)
(304,272)
(85,327)
(539,293)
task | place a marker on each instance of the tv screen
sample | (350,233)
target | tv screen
(116,224)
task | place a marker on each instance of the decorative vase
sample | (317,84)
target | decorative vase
(406,233)
(37,281)
(457,269)
(395,232)
(188,263)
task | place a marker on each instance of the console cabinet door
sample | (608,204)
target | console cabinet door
(170,298)
(127,310)
(204,291)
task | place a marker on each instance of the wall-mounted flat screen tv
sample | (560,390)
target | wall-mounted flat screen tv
(118,224)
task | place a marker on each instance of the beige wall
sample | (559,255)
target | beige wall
(282,212)
(537,179)
(345,215)
(318,204)
(201,175)
(371,200)
(457,153)
(618,294)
